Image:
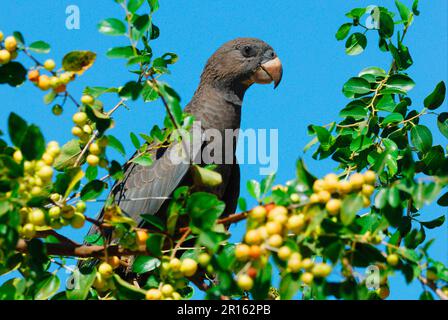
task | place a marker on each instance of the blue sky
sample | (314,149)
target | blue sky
(301,32)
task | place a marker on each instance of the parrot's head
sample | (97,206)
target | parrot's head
(242,62)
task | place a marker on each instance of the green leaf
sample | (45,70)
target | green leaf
(154,5)
(203,209)
(355,112)
(443,200)
(262,283)
(205,177)
(267,183)
(154,244)
(93,190)
(120,52)
(355,44)
(356,13)
(91,173)
(304,177)
(350,206)
(134,140)
(95,239)
(143,264)
(398,83)
(40,47)
(12,73)
(127,291)
(386,24)
(16,128)
(83,281)
(436,98)
(442,123)
(33,143)
(49,97)
(19,37)
(98,91)
(360,143)
(421,138)
(140,26)
(415,8)
(405,13)
(148,92)
(78,61)
(131,90)
(375,71)
(434,223)
(253,187)
(143,160)
(343,31)
(392,118)
(134,5)
(289,285)
(116,144)
(112,27)
(47,287)
(153,220)
(69,153)
(356,85)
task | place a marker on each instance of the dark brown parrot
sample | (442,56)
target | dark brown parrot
(217,104)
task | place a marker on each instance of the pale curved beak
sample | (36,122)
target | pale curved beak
(270,71)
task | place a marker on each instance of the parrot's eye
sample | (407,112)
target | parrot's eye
(248,51)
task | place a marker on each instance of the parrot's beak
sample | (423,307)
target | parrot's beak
(270,71)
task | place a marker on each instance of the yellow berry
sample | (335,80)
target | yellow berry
(344,187)
(370,177)
(49,64)
(333,206)
(93,160)
(37,217)
(273,227)
(44,82)
(278,210)
(331,182)
(366,202)
(242,252)
(5,56)
(175,264)
(258,213)
(153,294)
(314,198)
(17,156)
(47,158)
(204,259)
(284,253)
(318,185)
(33,75)
(167,290)
(294,197)
(140,237)
(307,263)
(188,267)
(275,240)
(105,270)
(10,43)
(80,118)
(253,237)
(296,223)
(65,77)
(393,259)
(367,190)
(114,261)
(307,278)
(78,220)
(45,173)
(68,212)
(95,149)
(1,36)
(294,262)
(324,196)
(87,129)
(176,296)
(245,282)
(87,99)
(55,82)
(54,212)
(356,181)
(321,270)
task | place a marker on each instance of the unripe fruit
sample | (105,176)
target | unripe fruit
(87,129)
(56,224)
(37,217)
(36,191)
(344,187)
(55,197)
(114,261)
(93,160)
(17,156)
(103,141)
(45,173)
(383,292)
(99,282)
(80,118)
(324,196)
(393,259)
(95,149)
(331,182)
(284,253)
(333,206)
(366,202)
(367,190)
(356,180)
(273,227)
(49,64)
(258,213)
(44,82)
(253,237)
(28,230)
(307,278)
(167,290)
(314,198)
(10,43)
(321,270)
(370,177)
(275,240)
(294,197)
(296,223)
(57,109)
(54,212)
(188,267)
(255,252)
(81,206)
(87,99)
(153,294)
(33,75)
(204,259)
(140,237)
(176,296)
(294,262)
(65,77)
(105,270)
(78,220)
(68,212)
(1,36)
(175,264)
(103,163)
(242,252)
(431,274)
(307,263)
(245,282)
(318,185)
